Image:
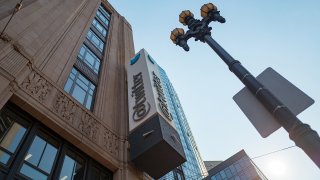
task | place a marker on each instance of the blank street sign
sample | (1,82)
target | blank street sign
(292,97)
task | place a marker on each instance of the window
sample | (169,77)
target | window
(99,174)
(218,176)
(80,88)
(213,178)
(88,57)
(39,159)
(95,40)
(73,167)
(11,135)
(104,12)
(42,153)
(237,178)
(228,172)
(232,169)
(223,174)
(102,17)
(238,167)
(99,27)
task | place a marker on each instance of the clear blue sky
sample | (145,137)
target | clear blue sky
(284,35)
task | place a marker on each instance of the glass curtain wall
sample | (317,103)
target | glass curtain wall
(194,167)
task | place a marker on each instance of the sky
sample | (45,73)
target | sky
(284,35)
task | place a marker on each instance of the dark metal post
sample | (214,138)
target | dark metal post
(15,10)
(303,136)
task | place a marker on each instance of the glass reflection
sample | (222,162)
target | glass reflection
(12,137)
(80,88)
(72,168)
(11,134)
(34,154)
(88,57)
(107,14)
(102,18)
(4,157)
(99,27)
(32,173)
(96,41)
(40,157)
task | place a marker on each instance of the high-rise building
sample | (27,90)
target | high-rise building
(194,167)
(211,164)
(63,91)
(237,167)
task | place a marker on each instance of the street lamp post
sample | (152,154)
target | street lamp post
(303,136)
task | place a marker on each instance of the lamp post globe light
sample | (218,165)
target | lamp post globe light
(303,136)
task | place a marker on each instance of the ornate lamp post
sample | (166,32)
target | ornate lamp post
(303,136)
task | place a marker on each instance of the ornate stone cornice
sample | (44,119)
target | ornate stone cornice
(71,112)
(37,86)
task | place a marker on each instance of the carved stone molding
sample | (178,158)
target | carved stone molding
(64,107)
(110,142)
(71,112)
(89,126)
(37,86)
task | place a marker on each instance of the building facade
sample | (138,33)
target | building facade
(63,91)
(237,167)
(193,168)
(211,164)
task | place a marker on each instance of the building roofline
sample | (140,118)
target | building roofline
(228,161)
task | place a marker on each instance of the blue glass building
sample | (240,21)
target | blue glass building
(193,168)
(237,167)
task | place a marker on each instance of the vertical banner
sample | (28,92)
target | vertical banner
(146,93)
(155,146)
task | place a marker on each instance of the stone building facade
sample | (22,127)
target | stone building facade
(43,47)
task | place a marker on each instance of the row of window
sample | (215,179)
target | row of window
(30,151)
(78,84)
(242,169)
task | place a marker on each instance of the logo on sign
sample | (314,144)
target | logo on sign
(135,59)
(141,107)
(161,98)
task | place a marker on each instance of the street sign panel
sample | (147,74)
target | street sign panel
(292,97)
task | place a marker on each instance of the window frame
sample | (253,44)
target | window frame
(104,11)
(24,122)
(92,42)
(40,132)
(87,92)
(87,50)
(102,18)
(66,147)
(35,129)
(104,31)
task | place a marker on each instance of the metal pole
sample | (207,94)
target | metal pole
(303,136)
(15,10)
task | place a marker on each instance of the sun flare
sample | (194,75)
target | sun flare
(277,167)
